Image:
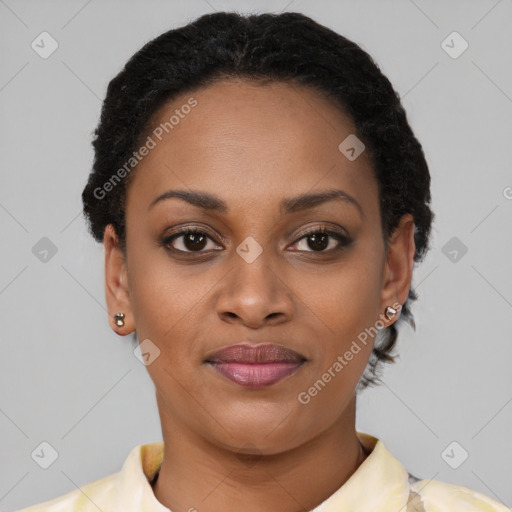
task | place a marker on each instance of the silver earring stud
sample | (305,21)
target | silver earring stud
(119,318)
(390,312)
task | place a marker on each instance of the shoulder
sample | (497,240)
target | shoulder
(88,498)
(436,496)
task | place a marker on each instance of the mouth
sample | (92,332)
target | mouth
(256,366)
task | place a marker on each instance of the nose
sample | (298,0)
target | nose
(255,293)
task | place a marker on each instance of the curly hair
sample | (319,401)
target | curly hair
(288,47)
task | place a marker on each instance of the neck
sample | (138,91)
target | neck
(197,474)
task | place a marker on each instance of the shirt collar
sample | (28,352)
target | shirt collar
(379,483)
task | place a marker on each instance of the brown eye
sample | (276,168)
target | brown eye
(318,240)
(192,240)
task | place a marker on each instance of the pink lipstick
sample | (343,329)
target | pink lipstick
(255,366)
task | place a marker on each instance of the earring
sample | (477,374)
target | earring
(119,318)
(390,312)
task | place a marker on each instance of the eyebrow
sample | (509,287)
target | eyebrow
(289,205)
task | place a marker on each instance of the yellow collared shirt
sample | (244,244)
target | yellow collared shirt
(380,484)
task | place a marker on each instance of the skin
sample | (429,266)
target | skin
(252,146)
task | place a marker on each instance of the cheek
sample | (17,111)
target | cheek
(160,300)
(345,309)
(345,299)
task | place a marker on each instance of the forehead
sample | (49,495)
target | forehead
(249,143)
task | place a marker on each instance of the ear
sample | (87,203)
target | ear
(116,283)
(397,275)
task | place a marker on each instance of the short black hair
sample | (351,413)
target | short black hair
(288,47)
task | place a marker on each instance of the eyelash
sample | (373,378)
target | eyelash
(343,240)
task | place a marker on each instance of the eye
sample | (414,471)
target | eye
(194,240)
(319,240)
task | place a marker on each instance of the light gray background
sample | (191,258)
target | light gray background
(67,379)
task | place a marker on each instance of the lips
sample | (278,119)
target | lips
(255,365)
(247,352)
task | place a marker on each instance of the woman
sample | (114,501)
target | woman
(262,201)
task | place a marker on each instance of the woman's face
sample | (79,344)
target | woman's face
(254,274)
